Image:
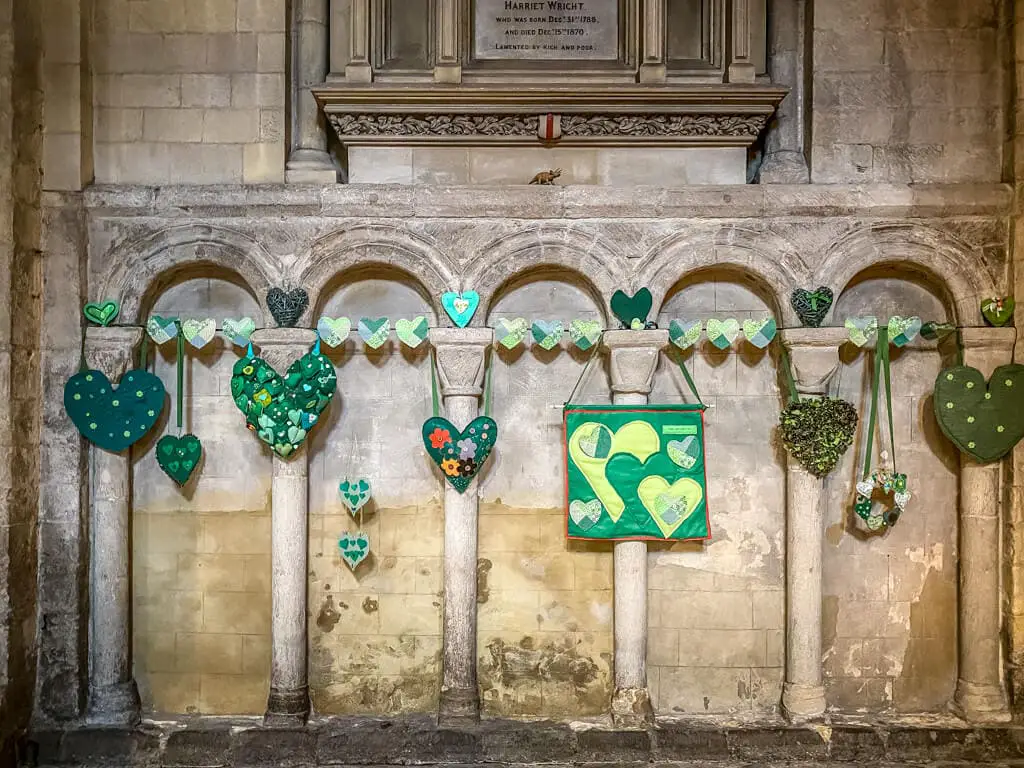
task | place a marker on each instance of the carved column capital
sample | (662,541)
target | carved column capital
(634,359)
(814,354)
(111,350)
(460,359)
(282,346)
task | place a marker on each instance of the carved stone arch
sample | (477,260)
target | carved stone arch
(769,259)
(547,248)
(375,245)
(139,268)
(950,264)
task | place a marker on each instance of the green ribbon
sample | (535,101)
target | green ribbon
(586,368)
(881,365)
(787,368)
(689,380)
(815,297)
(181,372)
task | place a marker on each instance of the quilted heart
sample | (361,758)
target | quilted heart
(333,331)
(374,332)
(998,311)
(101,314)
(288,307)
(199,331)
(355,547)
(760,332)
(812,306)
(862,330)
(669,505)
(354,493)
(934,331)
(510,333)
(460,455)
(238,332)
(592,446)
(903,330)
(585,514)
(413,332)
(722,333)
(817,432)
(684,333)
(114,418)
(632,309)
(684,453)
(282,410)
(162,329)
(178,456)
(547,334)
(585,333)
(983,419)
(460,306)
(865,488)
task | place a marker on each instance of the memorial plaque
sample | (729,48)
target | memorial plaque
(546,29)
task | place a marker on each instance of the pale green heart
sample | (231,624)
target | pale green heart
(862,330)
(238,331)
(722,333)
(510,333)
(684,333)
(585,514)
(760,332)
(903,330)
(584,333)
(547,333)
(413,332)
(685,452)
(669,505)
(161,329)
(355,547)
(199,331)
(333,331)
(374,332)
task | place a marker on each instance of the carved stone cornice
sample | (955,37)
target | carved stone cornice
(639,115)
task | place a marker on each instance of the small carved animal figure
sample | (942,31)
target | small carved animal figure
(547,177)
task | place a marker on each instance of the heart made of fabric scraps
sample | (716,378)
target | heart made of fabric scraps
(684,333)
(287,307)
(101,313)
(199,331)
(354,547)
(460,306)
(238,332)
(333,331)
(585,514)
(760,332)
(413,332)
(282,411)
(998,311)
(460,455)
(179,456)
(114,417)
(983,419)
(354,493)
(722,333)
(374,331)
(862,330)
(669,505)
(903,330)
(865,488)
(510,333)
(585,333)
(684,453)
(162,329)
(547,333)
(818,431)
(933,331)
(812,306)
(629,309)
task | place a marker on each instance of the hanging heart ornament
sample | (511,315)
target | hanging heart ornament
(238,332)
(818,431)
(179,456)
(413,332)
(812,306)
(460,306)
(162,329)
(903,330)
(546,333)
(101,314)
(355,494)
(374,331)
(282,411)
(460,455)
(511,333)
(684,333)
(333,331)
(722,333)
(584,333)
(998,311)
(862,330)
(199,331)
(884,513)
(354,547)
(983,419)
(114,417)
(632,311)
(287,306)
(760,332)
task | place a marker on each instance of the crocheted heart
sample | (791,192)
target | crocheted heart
(355,547)
(585,514)
(179,456)
(287,307)
(862,330)
(983,419)
(903,330)
(584,333)
(374,332)
(460,306)
(333,331)
(354,493)
(460,455)
(722,333)
(632,310)
(413,332)
(547,334)
(101,314)
(812,306)
(684,333)
(760,332)
(238,332)
(114,417)
(511,333)
(998,311)
(199,331)
(817,432)
(162,329)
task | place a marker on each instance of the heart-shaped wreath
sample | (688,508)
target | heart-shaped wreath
(817,432)
(879,515)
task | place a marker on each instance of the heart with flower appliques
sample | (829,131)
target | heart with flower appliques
(460,455)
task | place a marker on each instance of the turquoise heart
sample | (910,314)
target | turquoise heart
(413,332)
(460,306)
(510,333)
(584,333)
(238,332)
(547,334)
(374,333)
(684,333)
(760,332)
(354,493)
(355,547)
(162,329)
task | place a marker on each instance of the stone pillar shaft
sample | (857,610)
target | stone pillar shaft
(309,161)
(652,60)
(784,161)
(358,69)
(741,69)
(448,68)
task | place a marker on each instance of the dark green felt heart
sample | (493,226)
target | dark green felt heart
(114,417)
(632,308)
(460,455)
(817,432)
(998,311)
(179,456)
(812,306)
(983,419)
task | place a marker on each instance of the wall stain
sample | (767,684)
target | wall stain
(829,620)
(834,533)
(328,617)
(370,605)
(483,569)
(928,678)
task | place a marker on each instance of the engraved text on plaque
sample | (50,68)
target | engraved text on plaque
(546,29)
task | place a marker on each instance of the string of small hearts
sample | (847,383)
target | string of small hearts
(354,547)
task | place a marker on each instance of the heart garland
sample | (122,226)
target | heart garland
(413,332)
(998,311)
(862,330)
(983,419)
(287,307)
(585,333)
(632,311)
(511,333)
(333,331)
(812,306)
(903,330)
(355,494)
(760,333)
(684,333)
(199,331)
(374,332)
(933,331)
(238,332)
(460,307)
(547,334)
(101,314)
(162,329)
(460,455)
(722,333)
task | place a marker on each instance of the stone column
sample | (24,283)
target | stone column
(309,162)
(359,69)
(980,689)
(741,68)
(633,360)
(652,41)
(448,68)
(814,353)
(460,356)
(289,690)
(784,159)
(113,695)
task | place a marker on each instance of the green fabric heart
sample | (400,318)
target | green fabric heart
(162,329)
(684,453)
(355,547)
(413,332)
(812,306)
(179,456)
(817,432)
(584,333)
(586,514)
(934,331)
(862,330)
(374,332)
(199,331)
(354,493)
(238,331)
(511,333)
(903,330)
(983,419)
(281,411)
(460,307)
(460,455)
(632,309)
(722,333)
(333,331)
(547,334)
(669,505)
(684,333)
(998,311)
(760,332)
(114,418)
(101,314)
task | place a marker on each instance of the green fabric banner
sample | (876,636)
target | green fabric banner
(635,472)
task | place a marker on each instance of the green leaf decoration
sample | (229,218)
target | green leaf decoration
(585,333)
(354,547)
(722,333)
(114,417)
(287,306)
(817,432)
(460,455)
(684,333)
(812,306)
(998,311)
(179,456)
(547,334)
(760,332)
(983,419)
(101,314)
(355,493)
(632,311)
(413,332)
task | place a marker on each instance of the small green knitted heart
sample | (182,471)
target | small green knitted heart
(983,419)
(998,311)
(101,314)
(178,456)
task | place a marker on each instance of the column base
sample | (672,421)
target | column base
(310,166)
(286,707)
(115,704)
(653,73)
(458,706)
(785,167)
(802,702)
(631,708)
(448,73)
(981,703)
